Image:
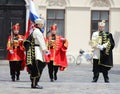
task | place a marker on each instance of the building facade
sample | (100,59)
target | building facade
(80,20)
(77,19)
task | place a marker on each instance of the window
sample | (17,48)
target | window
(57,17)
(98,16)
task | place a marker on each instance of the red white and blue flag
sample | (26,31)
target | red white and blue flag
(32,17)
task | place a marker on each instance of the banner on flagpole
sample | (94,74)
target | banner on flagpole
(32,17)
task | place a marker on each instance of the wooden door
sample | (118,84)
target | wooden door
(10,15)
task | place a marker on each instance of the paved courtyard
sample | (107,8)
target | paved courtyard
(76,79)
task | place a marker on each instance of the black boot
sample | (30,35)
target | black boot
(55,76)
(106,78)
(18,75)
(51,80)
(18,78)
(95,78)
(34,84)
(36,87)
(13,78)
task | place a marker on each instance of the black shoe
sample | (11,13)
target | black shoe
(107,81)
(51,80)
(37,87)
(94,80)
(13,79)
(55,77)
(17,78)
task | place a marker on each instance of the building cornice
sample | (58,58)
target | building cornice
(50,7)
(115,8)
(100,8)
(78,7)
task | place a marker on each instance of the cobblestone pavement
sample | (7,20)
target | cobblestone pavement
(76,79)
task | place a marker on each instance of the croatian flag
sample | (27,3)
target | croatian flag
(32,17)
(33,13)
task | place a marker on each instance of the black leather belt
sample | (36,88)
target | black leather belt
(37,45)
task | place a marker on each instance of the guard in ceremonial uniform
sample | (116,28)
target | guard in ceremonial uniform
(102,43)
(35,51)
(57,45)
(16,54)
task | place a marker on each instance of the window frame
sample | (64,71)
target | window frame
(55,19)
(100,12)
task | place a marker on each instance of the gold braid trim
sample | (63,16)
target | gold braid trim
(108,47)
(30,50)
(29,59)
(106,40)
(33,48)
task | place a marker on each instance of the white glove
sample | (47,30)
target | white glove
(101,47)
(62,38)
(11,51)
(20,39)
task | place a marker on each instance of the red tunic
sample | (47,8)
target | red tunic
(16,45)
(58,52)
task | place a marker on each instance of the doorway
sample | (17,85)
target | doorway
(10,13)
